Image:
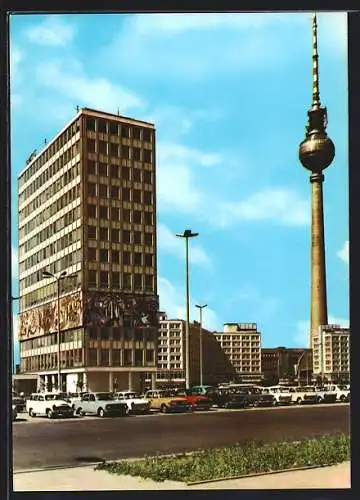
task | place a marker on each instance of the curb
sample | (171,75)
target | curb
(60,467)
(256,474)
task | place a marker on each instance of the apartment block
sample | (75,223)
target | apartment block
(241,342)
(87,207)
(331,354)
(286,365)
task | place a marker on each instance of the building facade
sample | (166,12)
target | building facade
(171,355)
(286,365)
(241,342)
(87,207)
(331,353)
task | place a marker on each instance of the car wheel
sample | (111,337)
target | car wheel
(298,401)
(81,412)
(275,403)
(319,400)
(101,413)
(31,413)
(343,398)
(255,404)
(163,409)
(49,414)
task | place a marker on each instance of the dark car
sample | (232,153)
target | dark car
(227,398)
(256,397)
(20,403)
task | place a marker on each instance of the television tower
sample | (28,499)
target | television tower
(316,153)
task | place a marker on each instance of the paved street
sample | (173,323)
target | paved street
(53,443)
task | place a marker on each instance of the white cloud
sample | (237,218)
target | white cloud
(16,56)
(169,243)
(14,263)
(172,301)
(343,254)
(281,205)
(302,334)
(69,79)
(52,31)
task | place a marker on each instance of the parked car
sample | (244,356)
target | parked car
(282,395)
(230,398)
(101,404)
(14,412)
(306,395)
(166,401)
(20,403)
(342,392)
(134,402)
(325,395)
(197,402)
(256,397)
(48,404)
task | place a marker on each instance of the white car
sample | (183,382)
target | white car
(48,404)
(135,403)
(282,395)
(305,395)
(327,395)
(342,392)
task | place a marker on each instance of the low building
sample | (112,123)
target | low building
(331,348)
(171,355)
(241,343)
(284,365)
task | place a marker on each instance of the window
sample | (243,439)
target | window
(92,357)
(125,152)
(147,176)
(127,281)
(103,190)
(92,278)
(148,260)
(90,124)
(92,254)
(147,135)
(137,217)
(138,357)
(126,215)
(116,357)
(92,232)
(127,357)
(115,276)
(114,149)
(104,233)
(91,145)
(137,259)
(126,194)
(113,128)
(91,165)
(147,155)
(103,147)
(137,175)
(115,256)
(92,211)
(148,239)
(125,173)
(104,256)
(136,132)
(147,198)
(91,189)
(103,212)
(137,195)
(115,171)
(137,237)
(148,282)
(125,131)
(126,236)
(103,169)
(127,258)
(148,218)
(115,213)
(104,279)
(102,126)
(114,192)
(115,235)
(138,282)
(104,357)
(136,154)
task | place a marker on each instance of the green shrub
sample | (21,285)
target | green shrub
(237,460)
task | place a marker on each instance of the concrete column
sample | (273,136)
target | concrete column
(85,382)
(130,380)
(111,382)
(153,381)
(318,271)
(53,382)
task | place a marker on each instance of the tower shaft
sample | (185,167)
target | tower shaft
(319,314)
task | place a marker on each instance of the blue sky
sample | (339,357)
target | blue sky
(229,95)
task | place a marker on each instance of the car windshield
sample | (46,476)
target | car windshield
(104,396)
(52,397)
(283,389)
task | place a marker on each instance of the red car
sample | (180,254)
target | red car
(197,402)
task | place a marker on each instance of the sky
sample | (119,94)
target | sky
(229,95)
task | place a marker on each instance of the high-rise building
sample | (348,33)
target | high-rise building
(331,354)
(316,153)
(171,355)
(87,209)
(286,365)
(241,342)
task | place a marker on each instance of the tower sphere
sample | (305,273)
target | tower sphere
(316,152)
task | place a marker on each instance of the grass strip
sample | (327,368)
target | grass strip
(237,460)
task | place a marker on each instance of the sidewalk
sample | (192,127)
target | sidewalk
(87,479)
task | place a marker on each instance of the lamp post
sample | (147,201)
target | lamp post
(187,234)
(48,274)
(200,341)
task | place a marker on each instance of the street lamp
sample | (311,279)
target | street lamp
(48,274)
(187,234)
(200,341)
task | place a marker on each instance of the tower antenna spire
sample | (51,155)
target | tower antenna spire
(315,60)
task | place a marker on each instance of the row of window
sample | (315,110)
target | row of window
(119,172)
(114,256)
(60,142)
(42,362)
(116,214)
(120,281)
(47,252)
(127,237)
(52,169)
(127,194)
(112,127)
(120,357)
(49,291)
(119,151)
(57,266)
(48,231)
(123,333)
